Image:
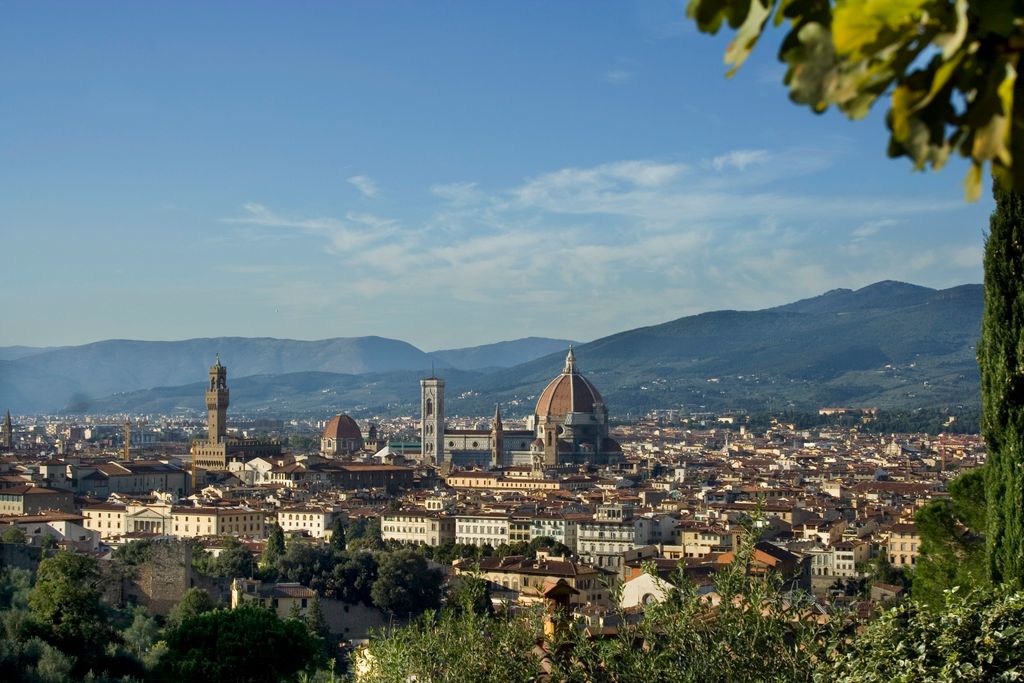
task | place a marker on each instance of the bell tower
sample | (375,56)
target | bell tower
(7,434)
(217,403)
(432,420)
(497,439)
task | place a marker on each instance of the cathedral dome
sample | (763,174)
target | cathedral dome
(342,427)
(570,392)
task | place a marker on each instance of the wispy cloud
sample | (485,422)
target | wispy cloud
(365,185)
(595,249)
(739,159)
(873,227)
(343,236)
(458,193)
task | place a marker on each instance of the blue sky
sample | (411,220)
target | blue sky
(447,173)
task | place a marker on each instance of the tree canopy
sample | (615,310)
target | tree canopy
(948,67)
(248,644)
(1001,362)
(406,585)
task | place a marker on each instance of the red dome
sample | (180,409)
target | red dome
(570,392)
(342,427)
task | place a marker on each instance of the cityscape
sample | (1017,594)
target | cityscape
(505,342)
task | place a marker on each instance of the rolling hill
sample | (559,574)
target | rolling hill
(891,345)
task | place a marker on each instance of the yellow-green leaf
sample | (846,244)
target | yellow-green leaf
(1005,90)
(990,140)
(857,24)
(902,108)
(972,183)
(942,76)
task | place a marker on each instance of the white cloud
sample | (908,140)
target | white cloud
(365,185)
(869,228)
(740,159)
(458,193)
(343,237)
(596,249)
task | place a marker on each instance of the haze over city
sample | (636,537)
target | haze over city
(445,174)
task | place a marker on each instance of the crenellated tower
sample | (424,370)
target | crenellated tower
(217,403)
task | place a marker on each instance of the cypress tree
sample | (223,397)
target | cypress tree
(1001,362)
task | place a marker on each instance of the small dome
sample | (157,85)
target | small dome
(342,427)
(570,392)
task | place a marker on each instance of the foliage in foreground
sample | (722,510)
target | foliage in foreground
(757,633)
(949,68)
(979,636)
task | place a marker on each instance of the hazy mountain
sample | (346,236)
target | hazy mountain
(15,352)
(307,394)
(49,380)
(502,354)
(890,344)
(76,375)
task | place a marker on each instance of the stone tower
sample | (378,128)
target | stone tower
(7,434)
(497,439)
(217,403)
(432,420)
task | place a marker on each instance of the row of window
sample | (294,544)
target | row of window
(477,529)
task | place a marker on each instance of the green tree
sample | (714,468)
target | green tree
(1001,361)
(952,544)
(471,593)
(249,644)
(235,560)
(406,585)
(948,66)
(338,534)
(303,562)
(15,587)
(549,545)
(315,622)
(142,633)
(134,552)
(65,606)
(194,602)
(351,580)
(13,534)
(274,547)
(364,534)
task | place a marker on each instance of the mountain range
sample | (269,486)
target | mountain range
(890,345)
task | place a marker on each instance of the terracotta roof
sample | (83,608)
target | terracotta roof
(30,490)
(342,427)
(570,392)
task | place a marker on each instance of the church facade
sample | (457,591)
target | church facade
(569,426)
